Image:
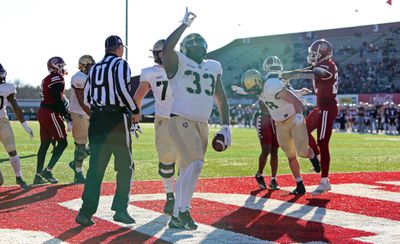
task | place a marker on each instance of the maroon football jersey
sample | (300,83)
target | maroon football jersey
(47,83)
(326,87)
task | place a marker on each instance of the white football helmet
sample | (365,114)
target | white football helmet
(272,65)
(157,48)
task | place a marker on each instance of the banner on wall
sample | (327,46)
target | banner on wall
(379,98)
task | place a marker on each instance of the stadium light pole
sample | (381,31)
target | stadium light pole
(126,29)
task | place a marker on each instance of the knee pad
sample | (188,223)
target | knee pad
(166,170)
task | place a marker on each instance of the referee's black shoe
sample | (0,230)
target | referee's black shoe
(123,217)
(82,220)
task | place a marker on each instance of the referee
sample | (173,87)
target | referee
(107,92)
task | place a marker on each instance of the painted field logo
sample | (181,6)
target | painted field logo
(362,207)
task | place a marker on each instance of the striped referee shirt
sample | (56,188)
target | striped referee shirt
(108,83)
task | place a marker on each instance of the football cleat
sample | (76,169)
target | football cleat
(260,181)
(300,189)
(169,204)
(316,164)
(273,184)
(22,183)
(187,221)
(323,187)
(49,177)
(175,223)
(38,180)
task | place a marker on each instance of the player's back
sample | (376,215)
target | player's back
(47,84)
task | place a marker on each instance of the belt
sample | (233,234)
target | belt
(108,108)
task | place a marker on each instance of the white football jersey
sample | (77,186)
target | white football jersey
(157,78)
(280,109)
(77,81)
(6,89)
(193,88)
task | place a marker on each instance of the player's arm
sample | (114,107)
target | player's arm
(170,58)
(140,93)
(56,90)
(289,97)
(222,101)
(18,113)
(79,96)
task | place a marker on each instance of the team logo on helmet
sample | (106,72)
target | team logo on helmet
(85,62)
(56,65)
(194,45)
(252,81)
(319,51)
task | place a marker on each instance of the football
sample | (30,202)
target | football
(218,143)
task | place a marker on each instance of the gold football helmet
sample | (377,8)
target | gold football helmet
(85,62)
(252,81)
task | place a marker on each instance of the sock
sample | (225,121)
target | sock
(16,165)
(168,184)
(191,177)
(273,178)
(298,179)
(78,169)
(178,192)
(324,180)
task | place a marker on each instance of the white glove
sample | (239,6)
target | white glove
(135,130)
(305,91)
(226,132)
(69,126)
(238,90)
(27,129)
(298,119)
(188,18)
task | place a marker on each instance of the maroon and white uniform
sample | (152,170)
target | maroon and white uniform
(266,128)
(52,108)
(323,116)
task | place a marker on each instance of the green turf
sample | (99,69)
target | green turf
(349,153)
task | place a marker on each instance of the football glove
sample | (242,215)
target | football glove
(226,132)
(135,130)
(27,129)
(298,119)
(188,18)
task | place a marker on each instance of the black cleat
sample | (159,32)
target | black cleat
(260,181)
(300,189)
(187,221)
(273,184)
(316,164)
(176,223)
(49,177)
(83,220)
(22,183)
(123,217)
(169,204)
(38,180)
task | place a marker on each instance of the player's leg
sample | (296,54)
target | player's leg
(8,140)
(261,127)
(80,126)
(58,132)
(1,179)
(285,140)
(324,133)
(312,124)
(167,157)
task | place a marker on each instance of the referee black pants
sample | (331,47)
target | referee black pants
(108,135)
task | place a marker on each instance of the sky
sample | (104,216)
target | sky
(33,31)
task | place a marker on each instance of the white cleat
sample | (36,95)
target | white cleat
(323,187)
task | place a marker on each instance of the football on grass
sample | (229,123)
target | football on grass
(218,143)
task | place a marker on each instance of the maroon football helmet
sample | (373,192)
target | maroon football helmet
(56,65)
(319,51)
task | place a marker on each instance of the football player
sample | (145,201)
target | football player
(286,110)
(80,116)
(7,94)
(324,74)
(194,81)
(53,108)
(155,79)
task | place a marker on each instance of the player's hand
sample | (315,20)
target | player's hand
(188,18)
(239,90)
(136,118)
(27,129)
(305,91)
(135,130)
(298,119)
(226,132)
(69,126)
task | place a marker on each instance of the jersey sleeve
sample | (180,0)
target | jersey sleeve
(273,86)
(78,81)
(144,75)
(11,90)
